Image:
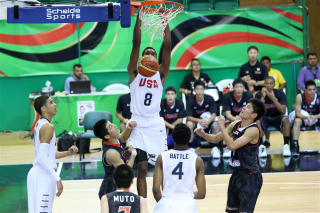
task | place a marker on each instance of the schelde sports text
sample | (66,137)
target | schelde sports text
(57,14)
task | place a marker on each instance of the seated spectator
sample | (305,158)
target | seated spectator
(123,112)
(309,72)
(280,82)
(77,76)
(307,113)
(233,102)
(201,112)
(253,72)
(276,104)
(187,85)
(172,111)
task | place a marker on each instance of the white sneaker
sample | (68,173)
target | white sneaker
(215,152)
(227,153)
(216,162)
(286,150)
(286,160)
(192,150)
(262,151)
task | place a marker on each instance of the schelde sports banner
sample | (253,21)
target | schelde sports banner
(217,38)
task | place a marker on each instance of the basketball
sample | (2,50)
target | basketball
(148,66)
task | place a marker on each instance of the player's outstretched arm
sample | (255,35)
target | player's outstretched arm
(200,180)
(157,179)
(126,133)
(166,55)
(208,137)
(104,204)
(133,153)
(71,151)
(143,206)
(250,135)
(136,42)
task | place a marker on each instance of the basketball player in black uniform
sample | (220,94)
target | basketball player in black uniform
(172,111)
(246,180)
(196,107)
(122,200)
(276,104)
(113,152)
(233,102)
(307,113)
(164,68)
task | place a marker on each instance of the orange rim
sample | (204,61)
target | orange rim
(137,4)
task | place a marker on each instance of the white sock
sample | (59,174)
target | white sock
(145,200)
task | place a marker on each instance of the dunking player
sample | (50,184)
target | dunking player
(42,179)
(122,200)
(246,180)
(113,153)
(149,137)
(176,170)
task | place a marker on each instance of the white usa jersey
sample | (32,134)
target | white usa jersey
(146,94)
(52,149)
(179,172)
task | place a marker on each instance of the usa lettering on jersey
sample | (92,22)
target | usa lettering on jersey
(150,83)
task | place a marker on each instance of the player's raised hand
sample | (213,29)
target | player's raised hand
(132,124)
(221,121)
(128,149)
(199,131)
(73,150)
(59,188)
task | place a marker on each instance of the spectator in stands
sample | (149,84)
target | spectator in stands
(233,103)
(172,111)
(77,76)
(123,112)
(201,112)
(280,82)
(309,72)
(187,85)
(307,113)
(253,72)
(276,104)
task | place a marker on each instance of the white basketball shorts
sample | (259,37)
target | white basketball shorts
(41,190)
(176,204)
(149,135)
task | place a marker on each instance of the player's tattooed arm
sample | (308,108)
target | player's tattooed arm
(136,42)
(157,179)
(126,133)
(200,180)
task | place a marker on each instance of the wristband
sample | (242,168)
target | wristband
(134,152)
(186,91)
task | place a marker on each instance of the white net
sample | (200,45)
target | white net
(156,17)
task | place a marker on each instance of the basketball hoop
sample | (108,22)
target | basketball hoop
(155,15)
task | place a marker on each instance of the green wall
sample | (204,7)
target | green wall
(14,92)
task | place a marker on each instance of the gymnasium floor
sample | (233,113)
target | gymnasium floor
(289,185)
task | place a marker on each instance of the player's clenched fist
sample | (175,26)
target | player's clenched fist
(199,131)
(221,121)
(73,150)
(132,124)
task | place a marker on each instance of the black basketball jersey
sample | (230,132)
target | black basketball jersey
(171,114)
(245,157)
(195,109)
(108,169)
(231,104)
(123,202)
(271,108)
(311,107)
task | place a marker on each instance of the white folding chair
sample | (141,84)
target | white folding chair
(225,83)
(119,88)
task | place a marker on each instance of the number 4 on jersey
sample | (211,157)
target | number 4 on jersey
(178,170)
(124,209)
